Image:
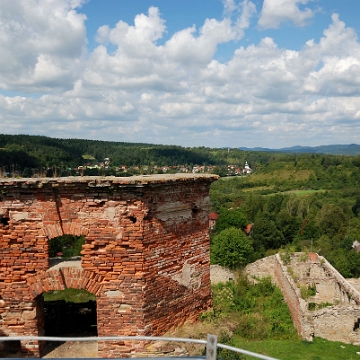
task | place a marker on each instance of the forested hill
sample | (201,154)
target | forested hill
(18,152)
(37,151)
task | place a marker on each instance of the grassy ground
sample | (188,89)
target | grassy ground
(69,295)
(282,175)
(256,318)
(319,349)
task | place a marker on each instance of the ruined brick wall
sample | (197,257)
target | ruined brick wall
(296,305)
(146,256)
(345,293)
(178,214)
(339,322)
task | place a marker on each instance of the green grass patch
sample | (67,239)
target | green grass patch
(88,157)
(231,178)
(258,310)
(260,188)
(258,320)
(303,192)
(319,349)
(69,295)
(282,175)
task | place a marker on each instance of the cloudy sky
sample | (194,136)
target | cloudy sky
(270,73)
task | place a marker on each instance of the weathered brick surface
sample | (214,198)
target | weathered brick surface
(146,256)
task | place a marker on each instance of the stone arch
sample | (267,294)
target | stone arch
(56,229)
(62,278)
(59,278)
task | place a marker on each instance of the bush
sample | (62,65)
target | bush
(231,218)
(67,245)
(231,248)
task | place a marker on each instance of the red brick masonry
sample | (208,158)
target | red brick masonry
(146,256)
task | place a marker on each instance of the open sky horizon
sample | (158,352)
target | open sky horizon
(215,73)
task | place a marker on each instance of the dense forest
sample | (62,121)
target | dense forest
(24,151)
(294,202)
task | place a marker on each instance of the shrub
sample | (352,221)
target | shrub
(286,254)
(67,245)
(313,306)
(231,248)
(307,291)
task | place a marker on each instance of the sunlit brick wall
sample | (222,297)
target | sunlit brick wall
(146,256)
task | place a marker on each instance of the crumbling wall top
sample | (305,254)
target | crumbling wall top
(106,181)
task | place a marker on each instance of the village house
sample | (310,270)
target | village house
(213,216)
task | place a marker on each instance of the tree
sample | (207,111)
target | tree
(308,230)
(231,248)
(339,258)
(288,225)
(231,218)
(265,233)
(274,203)
(331,220)
(254,204)
(356,208)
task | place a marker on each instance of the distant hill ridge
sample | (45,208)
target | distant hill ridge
(29,154)
(351,149)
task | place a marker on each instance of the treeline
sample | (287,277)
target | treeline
(296,202)
(23,151)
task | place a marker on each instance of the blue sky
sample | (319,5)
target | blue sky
(270,73)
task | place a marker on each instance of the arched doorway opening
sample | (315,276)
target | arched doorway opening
(69,310)
(69,313)
(10,349)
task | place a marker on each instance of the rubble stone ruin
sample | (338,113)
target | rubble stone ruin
(321,302)
(145,257)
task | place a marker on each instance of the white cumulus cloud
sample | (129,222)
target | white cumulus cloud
(274,12)
(41,43)
(136,86)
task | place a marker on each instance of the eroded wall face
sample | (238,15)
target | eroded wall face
(176,248)
(338,324)
(146,256)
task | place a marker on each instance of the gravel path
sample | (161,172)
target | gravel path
(71,349)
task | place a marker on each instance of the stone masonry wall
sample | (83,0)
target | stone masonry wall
(146,256)
(338,320)
(296,305)
(261,268)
